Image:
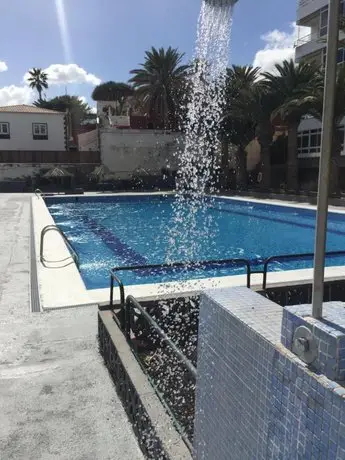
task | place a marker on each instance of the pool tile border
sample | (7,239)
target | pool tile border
(101,296)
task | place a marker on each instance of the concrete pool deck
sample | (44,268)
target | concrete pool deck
(61,286)
(57,400)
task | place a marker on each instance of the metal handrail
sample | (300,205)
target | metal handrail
(292,257)
(38,192)
(74,254)
(189,265)
(131,302)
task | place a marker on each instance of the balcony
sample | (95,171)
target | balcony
(308,7)
(308,45)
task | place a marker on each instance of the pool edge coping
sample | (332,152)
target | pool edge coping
(50,288)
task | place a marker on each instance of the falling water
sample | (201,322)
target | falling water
(197,173)
(195,183)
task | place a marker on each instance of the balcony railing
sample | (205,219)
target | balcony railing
(308,39)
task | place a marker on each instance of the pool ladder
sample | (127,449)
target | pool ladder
(39,194)
(74,254)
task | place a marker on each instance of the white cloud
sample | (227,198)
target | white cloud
(3,66)
(279,46)
(94,110)
(63,74)
(14,95)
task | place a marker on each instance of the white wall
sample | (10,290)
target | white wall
(88,140)
(307,7)
(22,136)
(126,151)
(11,171)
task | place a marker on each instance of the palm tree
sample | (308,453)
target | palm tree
(237,129)
(312,104)
(255,103)
(113,91)
(158,83)
(38,80)
(291,81)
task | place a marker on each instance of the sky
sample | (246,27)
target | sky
(80,43)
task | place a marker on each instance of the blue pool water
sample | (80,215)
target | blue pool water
(134,230)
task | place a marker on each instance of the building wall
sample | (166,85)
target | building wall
(125,152)
(9,172)
(255,399)
(22,136)
(306,8)
(88,140)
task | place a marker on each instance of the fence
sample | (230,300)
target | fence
(41,157)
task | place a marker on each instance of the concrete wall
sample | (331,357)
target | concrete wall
(22,135)
(255,399)
(308,7)
(127,151)
(9,172)
(88,140)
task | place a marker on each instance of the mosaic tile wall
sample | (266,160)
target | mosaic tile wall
(329,334)
(255,399)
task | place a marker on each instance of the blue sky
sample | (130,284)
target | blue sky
(81,42)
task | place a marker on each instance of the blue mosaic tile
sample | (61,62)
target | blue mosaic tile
(262,402)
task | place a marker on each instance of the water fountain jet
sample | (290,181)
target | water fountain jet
(221,3)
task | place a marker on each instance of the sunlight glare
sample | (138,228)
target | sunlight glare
(63,27)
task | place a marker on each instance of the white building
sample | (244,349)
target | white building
(26,127)
(313,14)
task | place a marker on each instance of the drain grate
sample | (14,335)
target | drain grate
(34,292)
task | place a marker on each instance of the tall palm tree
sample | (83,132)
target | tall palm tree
(238,127)
(158,83)
(256,104)
(38,80)
(312,104)
(291,81)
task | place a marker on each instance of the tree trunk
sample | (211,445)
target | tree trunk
(292,161)
(334,187)
(265,135)
(241,169)
(225,168)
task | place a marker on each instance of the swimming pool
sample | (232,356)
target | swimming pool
(113,231)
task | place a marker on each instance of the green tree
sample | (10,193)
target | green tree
(290,81)
(38,80)
(113,91)
(312,103)
(238,127)
(76,110)
(158,84)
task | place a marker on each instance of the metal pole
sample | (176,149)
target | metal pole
(325,159)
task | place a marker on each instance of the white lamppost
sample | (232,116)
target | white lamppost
(326,154)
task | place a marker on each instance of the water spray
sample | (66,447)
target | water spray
(221,3)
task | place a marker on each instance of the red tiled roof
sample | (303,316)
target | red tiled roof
(23,108)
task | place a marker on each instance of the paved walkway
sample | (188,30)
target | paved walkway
(56,398)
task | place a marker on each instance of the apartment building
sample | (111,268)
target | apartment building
(312,46)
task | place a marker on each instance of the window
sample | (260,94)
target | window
(4,130)
(324,18)
(40,131)
(340,56)
(309,142)
(323,21)
(341,134)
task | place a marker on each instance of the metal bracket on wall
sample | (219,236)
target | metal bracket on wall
(304,345)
